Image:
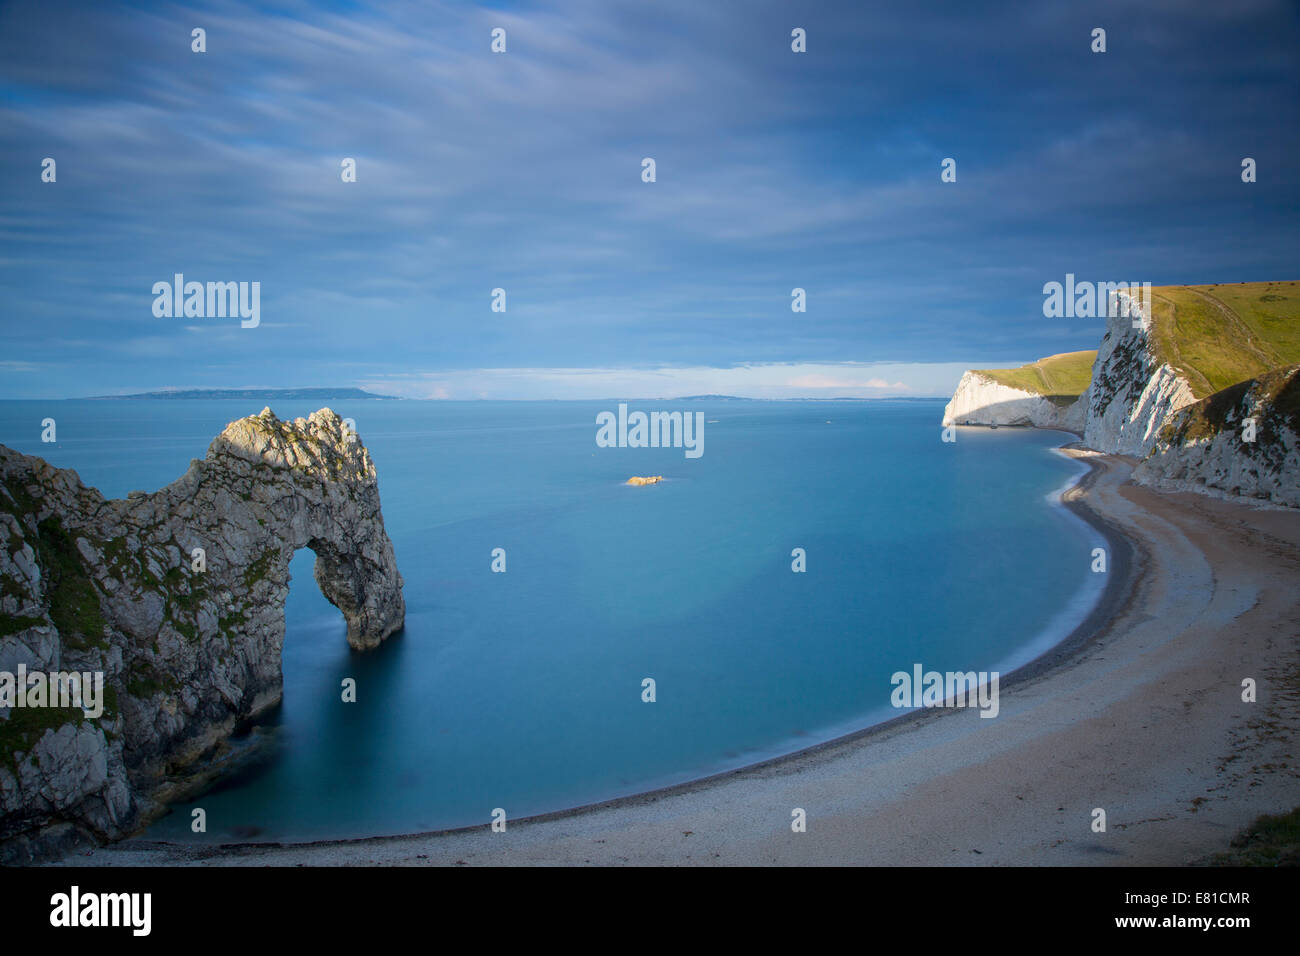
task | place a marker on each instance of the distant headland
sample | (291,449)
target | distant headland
(276,394)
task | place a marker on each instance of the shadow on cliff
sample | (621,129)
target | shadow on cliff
(1050,412)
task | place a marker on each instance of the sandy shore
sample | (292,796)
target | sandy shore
(1140,713)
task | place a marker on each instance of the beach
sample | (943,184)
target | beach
(1138,713)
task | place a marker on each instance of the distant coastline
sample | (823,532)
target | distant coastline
(275,394)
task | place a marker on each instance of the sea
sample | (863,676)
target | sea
(523,692)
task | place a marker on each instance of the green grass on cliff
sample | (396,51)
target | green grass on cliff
(74,600)
(12,625)
(1224,339)
(1059,378)
(1272,840)
(27,725)
(1278,392)
(1220,335)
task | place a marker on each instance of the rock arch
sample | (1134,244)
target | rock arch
(110,585)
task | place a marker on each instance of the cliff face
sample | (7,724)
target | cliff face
(95,585)
(1139,405)
(1242,441)
(979,400)
(1132,392)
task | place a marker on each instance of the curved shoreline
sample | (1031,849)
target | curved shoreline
(1125,571)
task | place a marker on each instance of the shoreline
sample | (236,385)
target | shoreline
(1126,570)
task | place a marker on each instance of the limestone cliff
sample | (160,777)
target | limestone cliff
(1133,392)
(979,400)
(1241,441)
(188,649)
(1129,396)
(1170,387)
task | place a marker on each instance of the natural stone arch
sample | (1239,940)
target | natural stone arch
(108,586)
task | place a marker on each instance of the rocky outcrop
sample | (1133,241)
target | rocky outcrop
(1138,404)
(979,400)
(1133,392)
(1243,441)
(1130,397)
(177,597)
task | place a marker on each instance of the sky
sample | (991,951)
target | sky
(522,171)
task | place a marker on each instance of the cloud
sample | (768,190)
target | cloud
(827,381)
(522,171)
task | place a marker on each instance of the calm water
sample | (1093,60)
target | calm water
(523,690)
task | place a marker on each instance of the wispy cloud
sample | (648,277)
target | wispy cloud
(521,171)
(816,381)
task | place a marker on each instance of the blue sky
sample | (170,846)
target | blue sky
(522,171)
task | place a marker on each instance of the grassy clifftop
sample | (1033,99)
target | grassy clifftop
(1220,335)
(1215,336)
(1059,378)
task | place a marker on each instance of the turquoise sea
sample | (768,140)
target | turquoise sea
(523,690)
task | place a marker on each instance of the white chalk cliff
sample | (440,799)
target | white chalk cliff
(979,400)
(1140,406)
(1240,442)
(1132,393)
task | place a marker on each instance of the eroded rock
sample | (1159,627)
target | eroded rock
(111,585)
